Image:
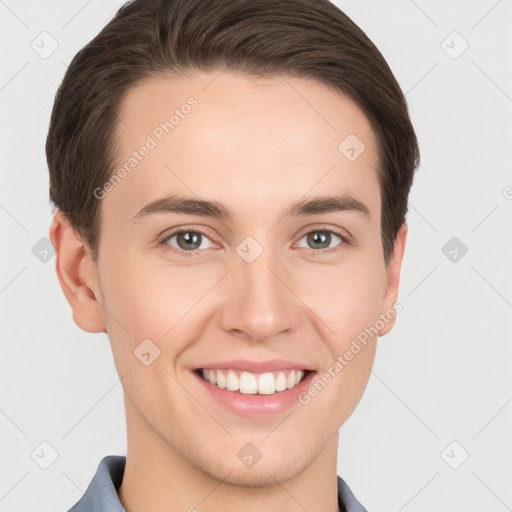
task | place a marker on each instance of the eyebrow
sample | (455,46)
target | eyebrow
(313,205)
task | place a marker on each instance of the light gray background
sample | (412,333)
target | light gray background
(442,375)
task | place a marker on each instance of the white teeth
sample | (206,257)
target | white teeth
(221,380)
(250,384)
(266,384)
(280,382)
(232,381)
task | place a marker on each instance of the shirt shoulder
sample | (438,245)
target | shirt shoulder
(347,502)
(101,494)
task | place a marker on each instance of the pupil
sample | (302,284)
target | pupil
(320,237)
(189,239)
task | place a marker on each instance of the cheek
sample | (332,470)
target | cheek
(152,300)
(349,308)
(346,297)
(147,314)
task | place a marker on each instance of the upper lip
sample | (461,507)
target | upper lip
(272,365)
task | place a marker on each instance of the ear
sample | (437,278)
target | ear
(393,279)
(77,274)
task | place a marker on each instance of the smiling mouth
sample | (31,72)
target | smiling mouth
(248,383)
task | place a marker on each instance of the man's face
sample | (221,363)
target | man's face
(259,286)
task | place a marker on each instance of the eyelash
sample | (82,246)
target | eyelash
(162,241)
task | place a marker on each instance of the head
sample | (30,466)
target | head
(218,117)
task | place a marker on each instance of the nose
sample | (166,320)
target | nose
(259,300)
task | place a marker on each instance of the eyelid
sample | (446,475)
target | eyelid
(342,233)
(181,229)
(345,236)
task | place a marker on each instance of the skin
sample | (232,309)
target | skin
(258,146)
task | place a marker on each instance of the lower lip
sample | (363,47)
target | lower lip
(255,405)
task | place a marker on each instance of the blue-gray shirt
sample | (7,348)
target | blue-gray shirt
(101,495)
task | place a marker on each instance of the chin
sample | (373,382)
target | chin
(262,476)
(262,473)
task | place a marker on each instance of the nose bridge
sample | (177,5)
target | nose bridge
(259,302)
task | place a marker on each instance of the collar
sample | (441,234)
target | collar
(101,494)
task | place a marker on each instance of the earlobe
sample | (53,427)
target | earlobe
(72,262)
(393,280)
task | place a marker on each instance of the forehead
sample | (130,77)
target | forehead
(233,136)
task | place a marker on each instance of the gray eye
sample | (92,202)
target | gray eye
(320,239)
(189,240)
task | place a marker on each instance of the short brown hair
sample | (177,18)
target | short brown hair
(151,38)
